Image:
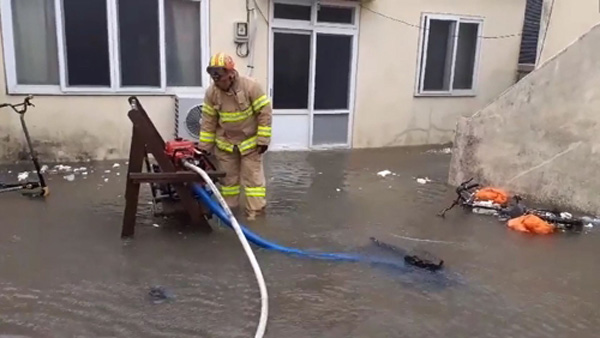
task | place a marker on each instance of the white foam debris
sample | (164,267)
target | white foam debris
(566,215)
(118,174)
(425,180)
(23,176)
(156,225)
(106,180)
(63,168)
(116,165)
(482,211)
(441,151)
(70,177)
(44,169)
(589,225)
(484,203)
(84,173)
(107,171)
(338,189)
(10,171)
(384,173)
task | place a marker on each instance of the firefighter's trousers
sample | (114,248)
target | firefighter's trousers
(243,172)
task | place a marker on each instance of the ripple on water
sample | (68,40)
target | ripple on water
(64,271)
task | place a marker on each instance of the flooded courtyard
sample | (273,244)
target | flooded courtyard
(65,272)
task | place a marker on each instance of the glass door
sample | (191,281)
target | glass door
(312,64)
(332,89)
(291,83)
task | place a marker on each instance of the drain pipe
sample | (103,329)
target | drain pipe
(264,311)
(252,39)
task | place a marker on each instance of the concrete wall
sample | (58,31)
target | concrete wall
(564,22)
(540,138)
(387,113)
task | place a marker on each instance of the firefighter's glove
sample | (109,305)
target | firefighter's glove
(262,149)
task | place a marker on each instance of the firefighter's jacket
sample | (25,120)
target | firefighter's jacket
(238,118)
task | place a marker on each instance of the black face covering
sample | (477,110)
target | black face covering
(216,73)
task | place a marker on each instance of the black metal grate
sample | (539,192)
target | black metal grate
(531,31)
(193,121)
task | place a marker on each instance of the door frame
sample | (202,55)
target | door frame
(313,28)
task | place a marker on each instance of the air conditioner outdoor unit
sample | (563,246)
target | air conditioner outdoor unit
(188,116)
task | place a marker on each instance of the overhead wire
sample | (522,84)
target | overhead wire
(406,23)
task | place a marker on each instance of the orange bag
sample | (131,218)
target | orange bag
(495,195)
(531,224)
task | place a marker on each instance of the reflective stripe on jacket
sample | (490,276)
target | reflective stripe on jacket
(241,117)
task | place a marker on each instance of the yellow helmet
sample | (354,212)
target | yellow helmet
(221,60)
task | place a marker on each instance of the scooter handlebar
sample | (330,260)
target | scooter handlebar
(23,106)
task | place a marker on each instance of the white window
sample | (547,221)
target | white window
(104,46)
(448,55)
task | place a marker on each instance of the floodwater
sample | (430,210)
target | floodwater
(65,272)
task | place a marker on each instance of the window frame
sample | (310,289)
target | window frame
(313,22)
(115,88)
(422,56)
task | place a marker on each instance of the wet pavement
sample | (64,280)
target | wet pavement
(65,272)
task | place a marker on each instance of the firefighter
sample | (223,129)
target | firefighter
(236,118)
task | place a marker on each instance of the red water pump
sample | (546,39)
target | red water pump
(179,150)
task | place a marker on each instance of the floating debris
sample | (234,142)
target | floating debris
(156,225)
(116,165)
(70,177)
(159,294)
(23,176)
(566,215)
(384,173)
(63,168)
(106,180)
(423,180)
(338,189)
(440,151)
(44,169)
(107,171)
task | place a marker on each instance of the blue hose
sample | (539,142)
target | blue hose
(204,196)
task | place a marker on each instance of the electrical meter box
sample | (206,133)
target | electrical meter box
(240,31)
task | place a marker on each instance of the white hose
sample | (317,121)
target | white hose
(264,311)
